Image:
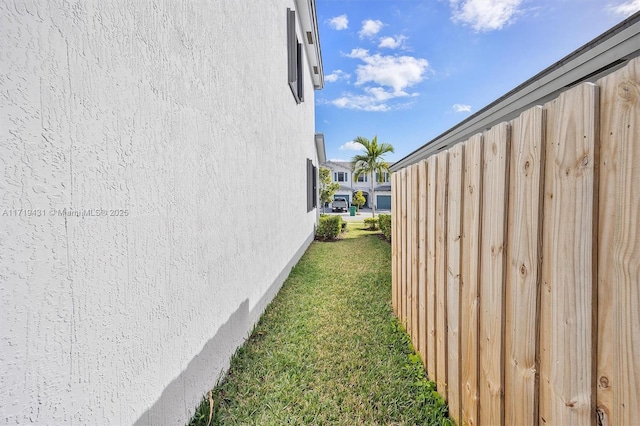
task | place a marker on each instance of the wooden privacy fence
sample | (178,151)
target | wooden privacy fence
(516,262)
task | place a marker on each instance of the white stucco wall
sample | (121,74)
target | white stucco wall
(180,114)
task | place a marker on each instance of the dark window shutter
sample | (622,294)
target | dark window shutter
(299,74)
(310,185)
(315,186)
(294,59)
(292,43)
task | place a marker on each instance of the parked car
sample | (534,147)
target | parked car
(340,204)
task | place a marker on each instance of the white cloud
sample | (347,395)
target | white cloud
(336,75)
(461,108)
(371,101)
(339,22)
(337,159)
(625,9)
(485,15)
(358,53)
(363,103)
(351,146)
(397,72)
(383,79)
(360,102)
(379,94)
(370,28)
(391,42)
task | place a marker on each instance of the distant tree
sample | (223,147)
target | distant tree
(371,163)
(327,188)
(358,199)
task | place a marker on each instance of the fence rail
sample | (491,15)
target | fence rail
(516,262)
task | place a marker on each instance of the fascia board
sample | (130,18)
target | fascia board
(320,148)
(309,23)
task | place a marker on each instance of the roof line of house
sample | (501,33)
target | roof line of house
(309,24)
(602,55)
(320,148)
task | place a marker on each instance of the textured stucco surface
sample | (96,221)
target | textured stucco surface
(180,113)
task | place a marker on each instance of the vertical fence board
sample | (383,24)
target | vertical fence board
(403,245)
(522,314)
(398,241)
(398,238)
(492,273)
(469,280)
(454,236)
(432,166)
(410,256)
(567,304)
(441,273)
(618,377)
(422,261)
(394,243)
(415,212)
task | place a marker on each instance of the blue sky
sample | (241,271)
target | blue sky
(408,70)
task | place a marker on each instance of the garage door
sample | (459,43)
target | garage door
(384,202)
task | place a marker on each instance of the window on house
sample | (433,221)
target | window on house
(385,177)
(340,176)
(362,178)
(312,186)
(294,53)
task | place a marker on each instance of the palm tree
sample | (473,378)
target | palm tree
(371,163)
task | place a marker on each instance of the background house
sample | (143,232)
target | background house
(135,254)
(342,174)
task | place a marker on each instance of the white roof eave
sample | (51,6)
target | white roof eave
(311,40)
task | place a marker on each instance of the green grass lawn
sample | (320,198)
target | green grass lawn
(328,350)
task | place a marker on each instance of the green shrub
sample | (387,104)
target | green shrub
(372,223)
(384,220)
(329,227)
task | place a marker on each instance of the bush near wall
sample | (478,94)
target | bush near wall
(372,223)
(329,227)
(384,220)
